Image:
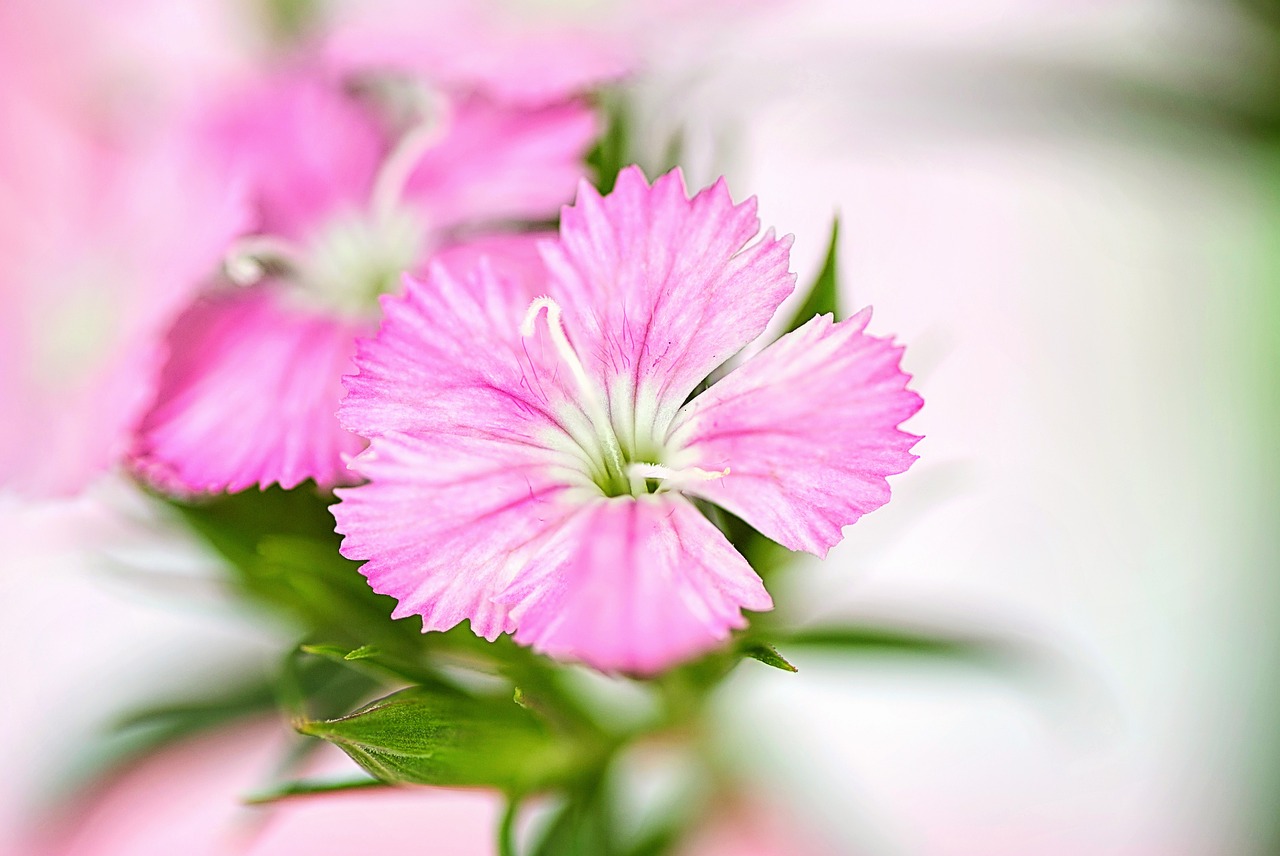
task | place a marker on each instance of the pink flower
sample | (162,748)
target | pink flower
(188,798)
(526,56)
(349,191)
(100,245)
(106,226)
(532,467)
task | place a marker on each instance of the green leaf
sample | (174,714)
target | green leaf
(430,737)
(929,644)
(322,686)
(283,553)
(364,652)
(290,790)
(583,825)
(824,294)
(371,659)
(612,150)
(615,149)
(768,655)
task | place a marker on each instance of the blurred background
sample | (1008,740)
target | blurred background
(1068,212)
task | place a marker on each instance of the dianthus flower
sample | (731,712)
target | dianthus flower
(351,186)
(533,467)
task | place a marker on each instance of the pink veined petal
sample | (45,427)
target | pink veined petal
(660,289)
(808,430)
(633,585)
(496,163)
(449,357)
(446,519)
(305,149)
(469,467)
(248,397)
(514,259)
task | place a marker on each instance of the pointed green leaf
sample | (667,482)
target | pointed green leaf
(768,655)
(429,737)
(932,644)
(304,789)
(364,652)
(824,294)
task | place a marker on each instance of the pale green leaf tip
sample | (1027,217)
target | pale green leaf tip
(769,655)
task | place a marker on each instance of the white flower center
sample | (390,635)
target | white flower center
(355,255)
(618,462)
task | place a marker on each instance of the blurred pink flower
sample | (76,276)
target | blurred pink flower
(100,245)
(188,799)
(512,53)
(106,222)
(536,478)
(127,66)
(755,825)
(345,201)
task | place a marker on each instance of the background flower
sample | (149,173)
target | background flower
(344,202)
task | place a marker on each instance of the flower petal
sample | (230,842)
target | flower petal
(495,163)
(449,357)
(248,397)
(514,258)
(660,289)
(305,148)
(469,467)
(633,585)
(446,518)
(808,430)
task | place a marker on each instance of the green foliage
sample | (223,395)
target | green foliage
(583,825)
(616,149)
(824,294)
(612,150)
(290,21)
(431,737)
(290,790)
(768,655)
(932,644)
(283,553)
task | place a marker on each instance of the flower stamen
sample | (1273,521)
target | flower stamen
(595,408)
(671,479)
(393,176)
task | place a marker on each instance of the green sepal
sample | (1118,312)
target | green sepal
(824,295)
(768,655)
(427,736)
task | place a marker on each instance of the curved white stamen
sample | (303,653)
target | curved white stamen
(594,407)
(561,342)
(398,166)
(248,258)
(672,479)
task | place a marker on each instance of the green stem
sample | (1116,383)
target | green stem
(507,827)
